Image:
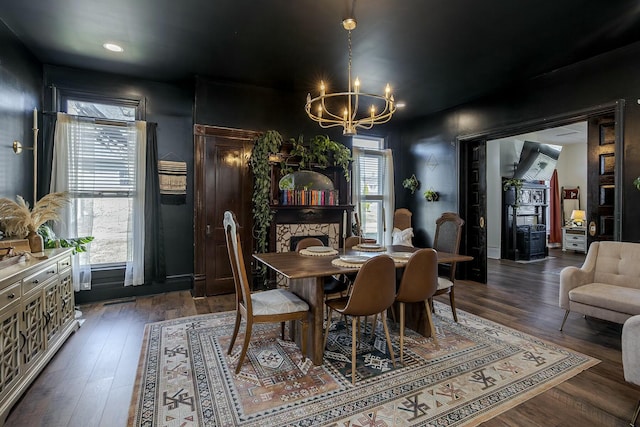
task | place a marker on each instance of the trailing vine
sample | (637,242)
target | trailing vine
(264,146)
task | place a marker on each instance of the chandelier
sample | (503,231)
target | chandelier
(320,108)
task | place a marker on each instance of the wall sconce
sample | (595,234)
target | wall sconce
(578,217)
(18,148)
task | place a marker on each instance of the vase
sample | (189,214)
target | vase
(36,243)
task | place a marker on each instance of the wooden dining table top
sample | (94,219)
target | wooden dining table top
(295,266)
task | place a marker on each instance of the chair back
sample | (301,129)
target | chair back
(448,234)
(308,241)
(374,288)
(234,248)
(402,219)
(420,278)
(351,241)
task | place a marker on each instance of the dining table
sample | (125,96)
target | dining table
(306,273)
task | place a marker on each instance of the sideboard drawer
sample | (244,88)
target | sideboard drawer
(33,281)
(64,263)
(576,246)
(9,295)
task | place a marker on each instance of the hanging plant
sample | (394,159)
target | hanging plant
(264,146)
(411,183)
(636,182)
(319,152)
(431,195)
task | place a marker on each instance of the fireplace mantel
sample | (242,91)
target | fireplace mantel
(307,220)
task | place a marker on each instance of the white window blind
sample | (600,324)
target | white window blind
(103,158)
(371,165)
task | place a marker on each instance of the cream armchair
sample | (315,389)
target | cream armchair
(631,356)
(607,286)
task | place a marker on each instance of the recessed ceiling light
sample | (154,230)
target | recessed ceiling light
(401,104)
(113,47)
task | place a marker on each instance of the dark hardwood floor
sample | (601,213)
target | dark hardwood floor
(90,381)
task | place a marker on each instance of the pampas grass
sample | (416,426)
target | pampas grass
(17,220)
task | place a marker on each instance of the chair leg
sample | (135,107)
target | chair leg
(401,304)
(354,345)
(245,345)
(383,318)
(236,328)
(282,330)
(433,310)
(453,305)
(635,416)
(566,314)
(431,325)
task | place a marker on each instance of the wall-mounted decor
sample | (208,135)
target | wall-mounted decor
(431,195)
(173,181)
(411,183)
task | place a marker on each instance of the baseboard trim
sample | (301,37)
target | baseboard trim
(104,292)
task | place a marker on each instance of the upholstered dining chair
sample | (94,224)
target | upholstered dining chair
(419,283)
(447,239)
(272,306)
(373,292)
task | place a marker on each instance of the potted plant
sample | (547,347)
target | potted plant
(431,195)
(411,183)
(512,187)
(636,182)
(319,152)
(17,220)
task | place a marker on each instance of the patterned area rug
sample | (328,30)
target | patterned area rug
(478,370)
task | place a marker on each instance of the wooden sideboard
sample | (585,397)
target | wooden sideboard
(37,315)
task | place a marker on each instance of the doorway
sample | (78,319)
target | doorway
(474,204)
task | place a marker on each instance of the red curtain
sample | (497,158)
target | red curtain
(555,215)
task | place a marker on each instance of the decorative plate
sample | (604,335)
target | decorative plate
(369,245)
(354,259)
(319,249)
(401,255)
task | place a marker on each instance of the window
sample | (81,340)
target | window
(372,192)
(103,176)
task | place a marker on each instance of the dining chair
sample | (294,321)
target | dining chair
(419,283)
(447,239)
(272,306)
(373,292)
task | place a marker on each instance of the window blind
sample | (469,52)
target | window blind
(102,158)
(372,169)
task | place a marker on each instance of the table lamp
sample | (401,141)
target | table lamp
(578,217)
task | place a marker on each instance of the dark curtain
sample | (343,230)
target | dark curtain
(555,220)
(155,269)
(46,153)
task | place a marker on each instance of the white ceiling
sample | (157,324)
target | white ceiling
(575,133)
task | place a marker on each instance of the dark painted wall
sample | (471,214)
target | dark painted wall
(20,90)
(256,108)
(598,81)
